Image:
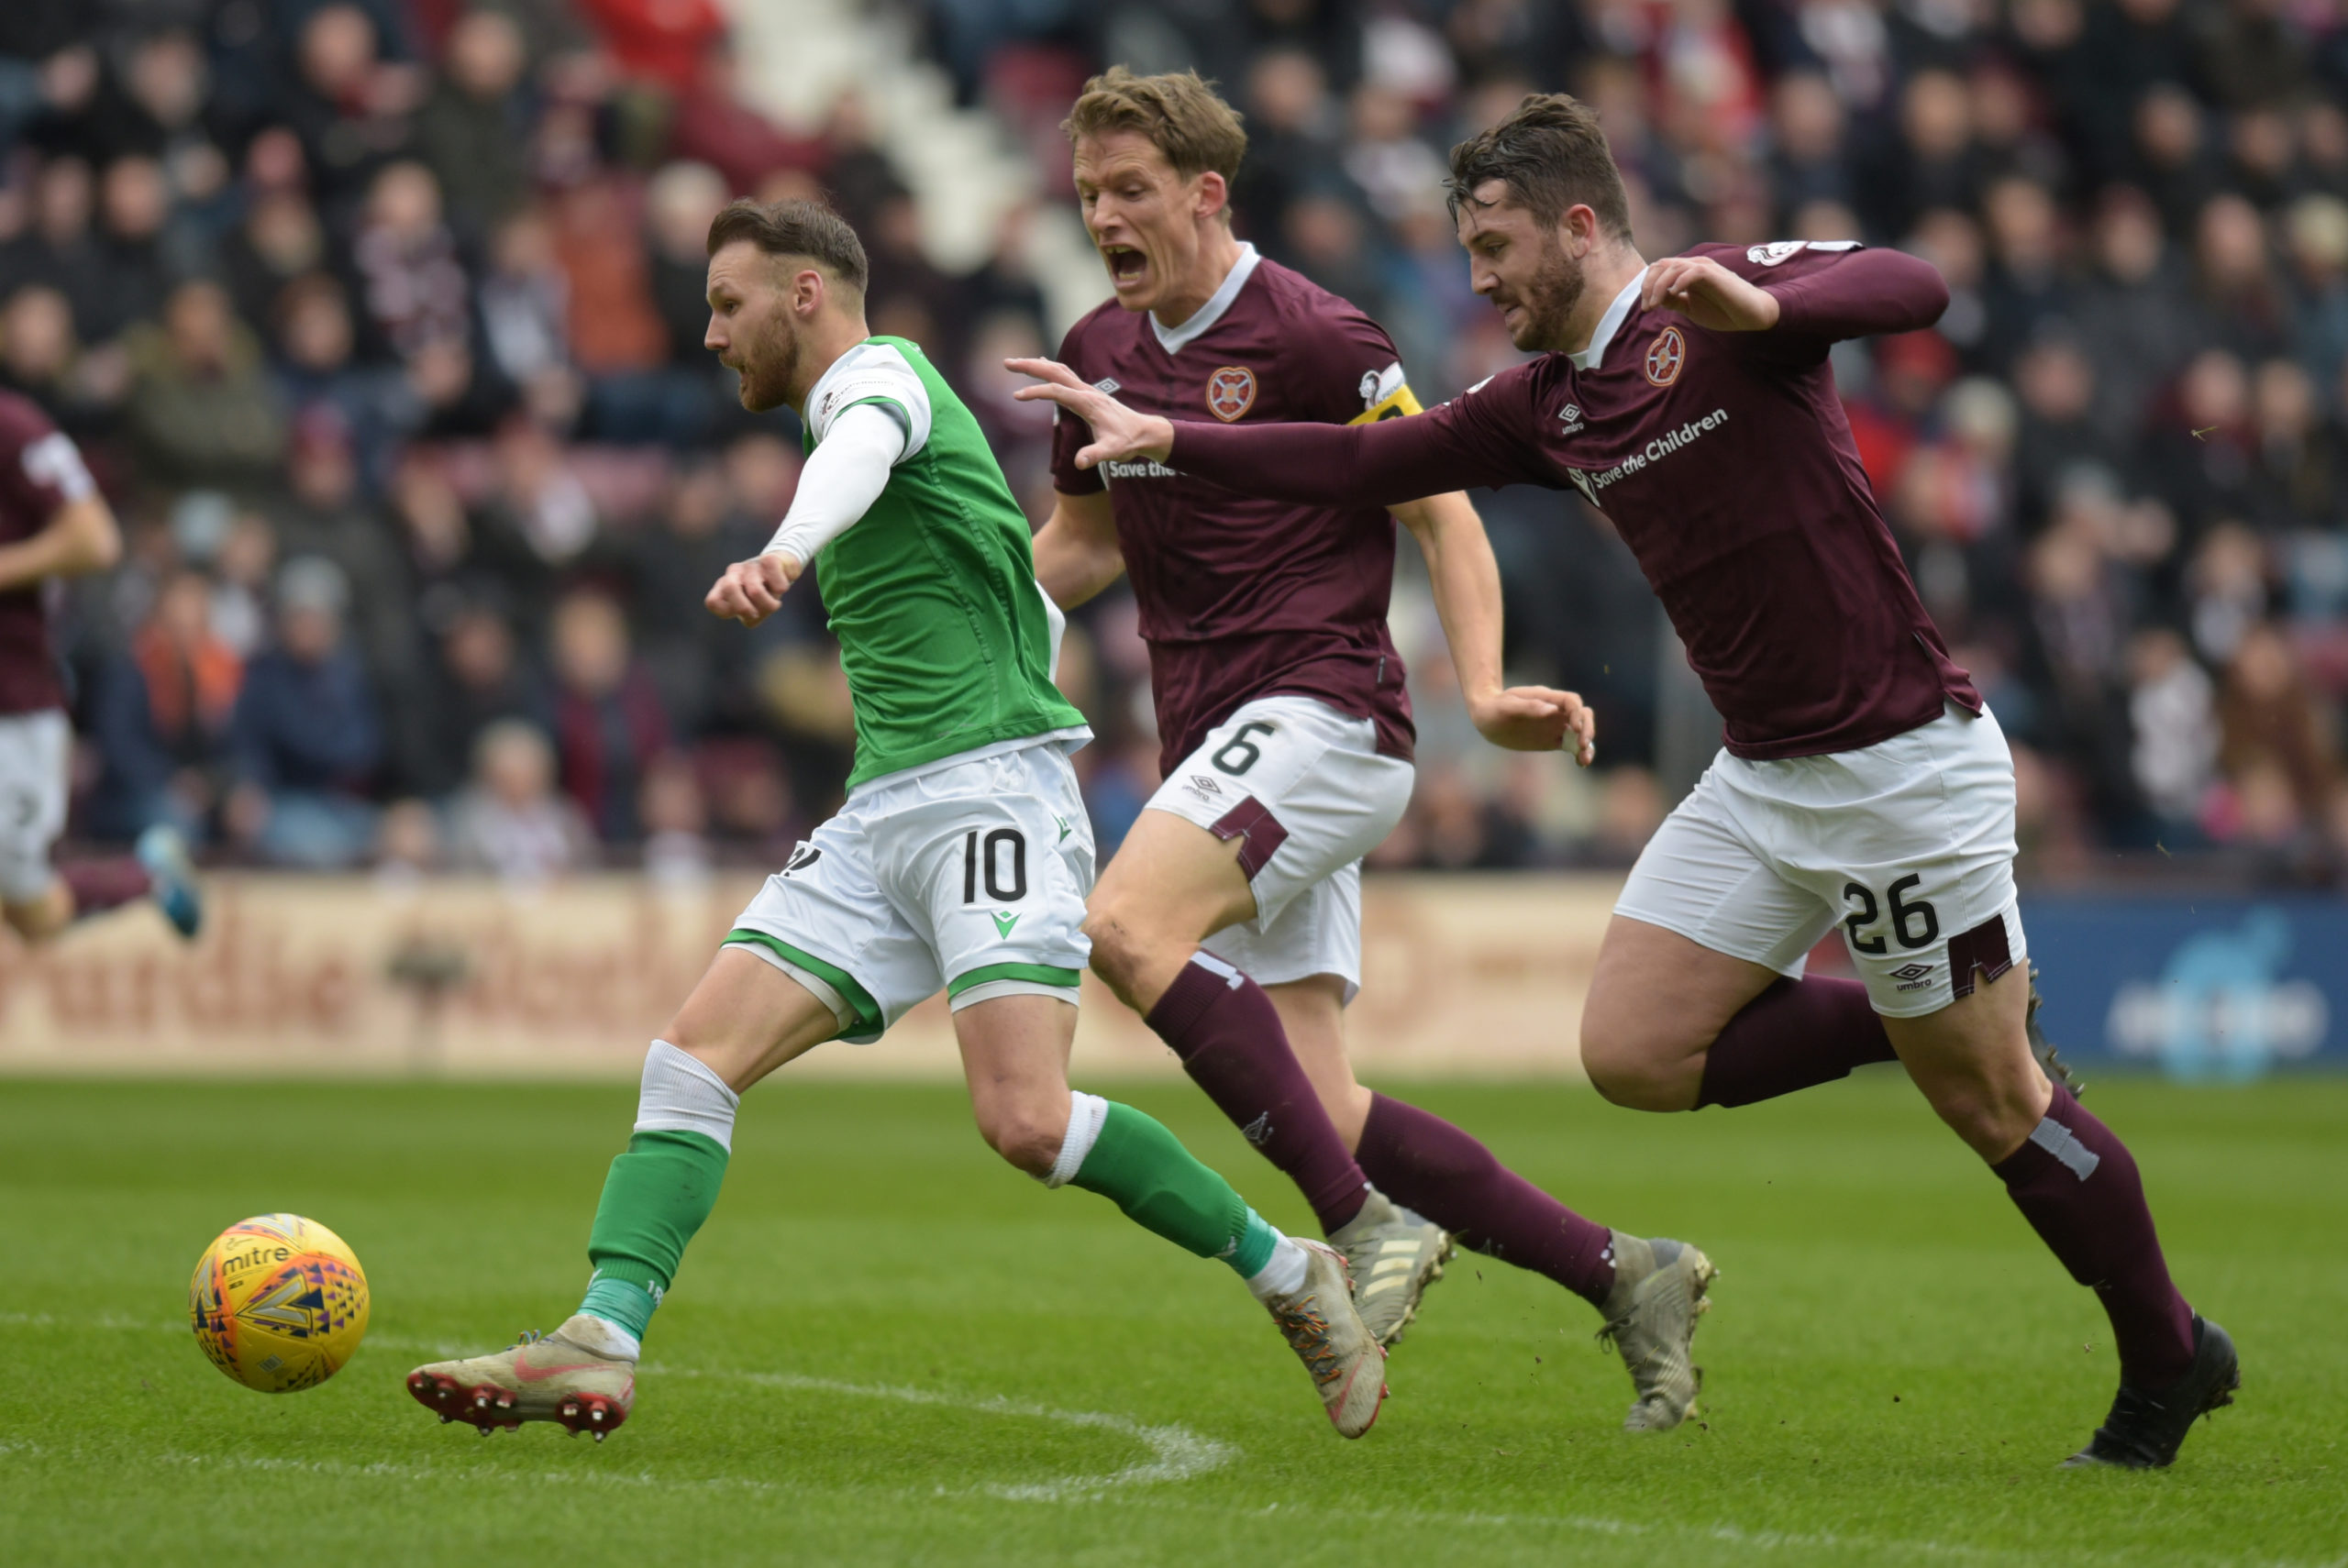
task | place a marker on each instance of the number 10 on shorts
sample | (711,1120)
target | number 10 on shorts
(985,859)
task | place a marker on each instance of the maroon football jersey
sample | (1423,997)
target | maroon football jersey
(40,470)
(1724,461)
(1243,597)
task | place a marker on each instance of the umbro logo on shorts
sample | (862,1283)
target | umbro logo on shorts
(1913,976)
(1203,785)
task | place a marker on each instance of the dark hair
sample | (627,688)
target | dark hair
(1552,156)
(796,228)
(1177,111)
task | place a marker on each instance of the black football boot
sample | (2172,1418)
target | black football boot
(2146,1425)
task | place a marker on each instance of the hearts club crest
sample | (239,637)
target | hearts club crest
(1666,357)
(1231,391)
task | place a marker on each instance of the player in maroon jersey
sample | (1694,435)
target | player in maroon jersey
(54,524)
(1230,917)
(1863,783)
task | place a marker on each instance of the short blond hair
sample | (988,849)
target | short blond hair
(1177,110)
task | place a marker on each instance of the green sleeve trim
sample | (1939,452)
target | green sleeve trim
(867,1011)
(1039,974)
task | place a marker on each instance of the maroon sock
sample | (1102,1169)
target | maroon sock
(1424,1162)
(1229,1036)
(1795,1034)
(2076,1185)
(102,885)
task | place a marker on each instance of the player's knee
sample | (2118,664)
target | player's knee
(1121,945)
(1029,1136)
(1992,1116)
(1631,1068)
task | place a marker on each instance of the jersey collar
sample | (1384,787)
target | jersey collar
(1609,325)
(1174,339)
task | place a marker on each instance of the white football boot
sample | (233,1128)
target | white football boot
(1321,1324)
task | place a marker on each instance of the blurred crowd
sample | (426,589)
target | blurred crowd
(379,320)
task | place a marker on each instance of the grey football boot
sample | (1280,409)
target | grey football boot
(1651,1316)
(561,1377)
(2048,1057)
(1394,1256)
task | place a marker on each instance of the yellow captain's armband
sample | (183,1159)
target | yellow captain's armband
(1394,406)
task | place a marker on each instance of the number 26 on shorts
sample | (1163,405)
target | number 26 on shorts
(1916,923)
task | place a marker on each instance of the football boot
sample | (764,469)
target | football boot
(2146,1425)
(540,1378)
(1320,1325)
(1651,1316)
(2048,1057)
(1393,1255)
(172,877)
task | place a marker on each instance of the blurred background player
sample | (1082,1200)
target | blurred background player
(55,524)
(1231,915)
(1863,782)
(960,860)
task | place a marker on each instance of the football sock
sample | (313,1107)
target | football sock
(1132,1161)
(102,885)
(1229,1037)
(658,1192)
(1794,1036)
(1424,1162)
(2076,1185)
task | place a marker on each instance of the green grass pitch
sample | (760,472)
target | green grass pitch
(888,1347)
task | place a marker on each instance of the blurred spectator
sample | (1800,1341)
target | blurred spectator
(474,126)
(200,410)
(413,290)
(2172,704)
(161,718)
(608,723)
(509,819)
(676,852)
(307,731)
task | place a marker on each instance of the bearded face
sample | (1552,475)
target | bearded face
(767,361)
(1550,296)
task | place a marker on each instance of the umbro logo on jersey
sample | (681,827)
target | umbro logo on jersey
(1004,921)
(802,855)
(1108,384)
(1570,415)
(1913,976)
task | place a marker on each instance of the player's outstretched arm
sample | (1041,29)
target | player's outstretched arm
(843,476)
(80,538)
(1858,293)
(1466,583)
(1383,464)
(1076,553)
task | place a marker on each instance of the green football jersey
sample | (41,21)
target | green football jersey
(946,638)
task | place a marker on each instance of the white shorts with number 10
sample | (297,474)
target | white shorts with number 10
(1908,845)
(969,875)
(1306,789)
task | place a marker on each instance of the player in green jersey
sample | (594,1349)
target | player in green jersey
(960,860)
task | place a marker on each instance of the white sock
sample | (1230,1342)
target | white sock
(1284,1275)
(683,1094)
(1086,1114)
(602,1336)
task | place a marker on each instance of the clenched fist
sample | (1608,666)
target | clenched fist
(751,590)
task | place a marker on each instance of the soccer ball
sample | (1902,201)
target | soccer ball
(277,1302)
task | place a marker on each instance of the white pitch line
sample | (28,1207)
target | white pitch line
(1177,1453)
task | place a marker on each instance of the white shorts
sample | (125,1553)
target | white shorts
(1909,845)
(970,875)
(35,754)
(1306,789)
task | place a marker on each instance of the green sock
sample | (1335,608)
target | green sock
(657,1196)
(1142,1168)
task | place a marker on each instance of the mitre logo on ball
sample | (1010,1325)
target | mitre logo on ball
(1231,391)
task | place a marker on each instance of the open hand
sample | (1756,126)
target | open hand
(751,590)
(1709,294)
(1118,433)
(1537,718)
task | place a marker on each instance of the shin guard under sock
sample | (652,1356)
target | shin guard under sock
(661,1191)
(2078,1188)
(1794,1036)
(1229,1037)
(1135,1163)
(1424,1162)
